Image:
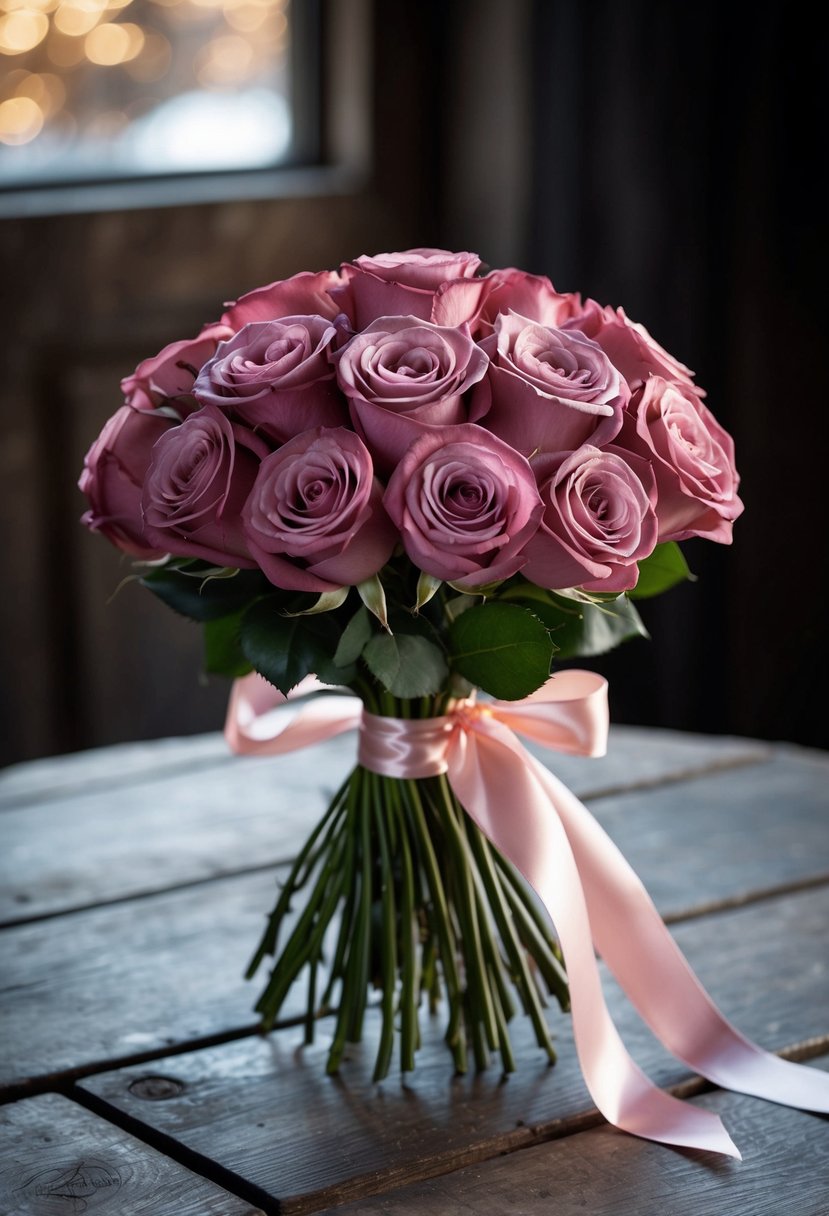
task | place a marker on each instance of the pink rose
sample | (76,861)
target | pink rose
(401,284)
(169,375)
(548,390)
(628,345)
(314,519)
(113,477)
(465,505)
(304,294)
(692,458)
(530,295)
(598,519)
(197,484)
(403,375)
(276,376)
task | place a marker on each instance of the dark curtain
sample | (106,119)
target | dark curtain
(675,161)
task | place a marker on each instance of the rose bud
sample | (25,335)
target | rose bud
(548,390)
(169,375)
(401,376)
(113,477)
(276,376)
(402,284)
(465,504)
(200,476)
(304,294)
(692,458)
(314,520)
(598,519)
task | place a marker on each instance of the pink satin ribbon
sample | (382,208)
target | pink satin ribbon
(592,895)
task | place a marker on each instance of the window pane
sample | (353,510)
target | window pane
(93,89)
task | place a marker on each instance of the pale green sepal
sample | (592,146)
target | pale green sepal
(374,597)
(327,602)
(427,587)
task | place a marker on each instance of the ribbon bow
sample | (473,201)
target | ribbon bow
(591,893)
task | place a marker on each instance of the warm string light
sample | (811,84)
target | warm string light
(81,67)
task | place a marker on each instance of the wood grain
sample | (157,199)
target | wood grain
(61,1160)
(116,824)
(150,974)
(347,1137)
(785,1168)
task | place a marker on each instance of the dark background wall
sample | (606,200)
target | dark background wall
(650,155)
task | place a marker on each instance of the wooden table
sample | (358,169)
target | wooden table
(134,1078)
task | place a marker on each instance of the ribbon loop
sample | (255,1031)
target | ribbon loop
(591,893)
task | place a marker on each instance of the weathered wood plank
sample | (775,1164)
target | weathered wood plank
(349,1138)
(132,831)
(785,1168)
(58,1158)
(148,974)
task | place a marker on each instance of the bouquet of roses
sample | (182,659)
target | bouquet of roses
(413,481)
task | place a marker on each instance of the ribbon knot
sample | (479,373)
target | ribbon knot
(591,893)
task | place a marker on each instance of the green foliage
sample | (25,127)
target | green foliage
(502,648)
(581,628)
(197,590)
(223,654)
(285,649)
(407,664)
(665,567)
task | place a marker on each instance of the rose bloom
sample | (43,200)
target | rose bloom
(314,520)
(692,458)
(548,390)
(276,376)
(304,294)
(401,376)
(168,376)
(530,295)
(629,346)
(403,284)
(113,477)
(465,504)
(200,476)
(598,519)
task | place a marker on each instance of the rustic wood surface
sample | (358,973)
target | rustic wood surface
(136,883)
(765,972)
(59,1158)
(785,1168)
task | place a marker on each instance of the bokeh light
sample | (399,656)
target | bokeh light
(102,88)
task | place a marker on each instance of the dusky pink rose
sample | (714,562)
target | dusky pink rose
(402,284)
(530,295)
(402,376)
(304,294)
(168,377)
(200,477)
(598,520)
(276,376)
(314,520)
(113,477)
(465,504)
(548,390)
(629,346)
(692,458)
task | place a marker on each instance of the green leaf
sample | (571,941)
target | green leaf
(223,655)
(286,649)
(208,597)
(580,630)
(406,664)
(502,648)
(665,567)
(354,638)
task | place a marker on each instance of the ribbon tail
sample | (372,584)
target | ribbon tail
(252,728)
(665,990)
(489,773)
